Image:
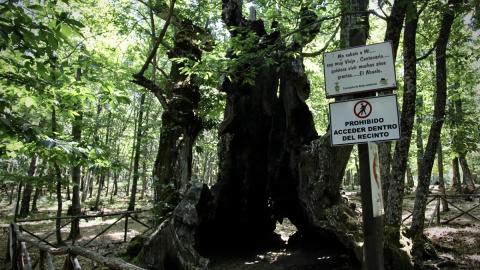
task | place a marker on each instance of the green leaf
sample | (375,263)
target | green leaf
(66,30)
(123,99)
(48,143)
(42,70)
(74,22)
(15,39)
(90,97)
(30,101)
(52,41)
(37,7)
(112,104)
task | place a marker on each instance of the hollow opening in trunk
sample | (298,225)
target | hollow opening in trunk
(285,229)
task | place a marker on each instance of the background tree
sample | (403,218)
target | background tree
(434,136)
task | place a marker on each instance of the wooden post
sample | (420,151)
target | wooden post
(372,226)
(14,251)
(74,262)
(20,261)
(126,228)
(49,261)
(42,260)
(435,212)
(27,256)
(438,210)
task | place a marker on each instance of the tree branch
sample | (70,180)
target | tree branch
(326,45)
(381,8)
(167,46)
(153,87)
(159,40)
(428,53)
(164,74)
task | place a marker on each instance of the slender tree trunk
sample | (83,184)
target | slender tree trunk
(136,162)
(393,213)
(36,195)
(441,180)
(69,197)
(87,186)
(132,157)
(418,221)
(82,182)
(90,186)
(410,183)
(115,183)
(419,130)
(347,179)
(467,175)
(58,179)
(10,198)
(206,158)
(101,179)
(58,221)
(456,183)
(107,183)
(76,209)
(27,192)
(76,171)
(39,189)
(144,180)
(392,33)
(107,141)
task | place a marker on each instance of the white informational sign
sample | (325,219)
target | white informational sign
(364,120)
(359,69)
(377,201)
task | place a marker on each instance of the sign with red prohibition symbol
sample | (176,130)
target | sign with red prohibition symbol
(364,120)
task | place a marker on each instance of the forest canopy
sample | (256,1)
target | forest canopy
(150,96)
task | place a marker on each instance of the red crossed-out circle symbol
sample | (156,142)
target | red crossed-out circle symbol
(362,109)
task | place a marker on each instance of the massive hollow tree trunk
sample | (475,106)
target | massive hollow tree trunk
(272,166)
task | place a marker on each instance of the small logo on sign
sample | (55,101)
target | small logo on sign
(337,87)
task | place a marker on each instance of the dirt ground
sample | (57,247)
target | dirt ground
(457,242)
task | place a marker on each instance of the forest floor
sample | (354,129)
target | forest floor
(457,237)
(457,242)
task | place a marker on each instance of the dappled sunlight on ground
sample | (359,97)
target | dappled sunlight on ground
(107,244)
